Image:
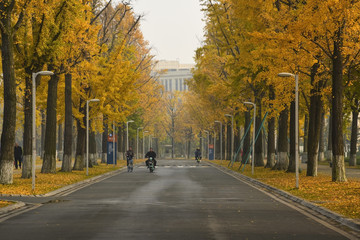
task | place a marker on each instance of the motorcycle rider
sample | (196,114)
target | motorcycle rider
(149,154)
(197,154)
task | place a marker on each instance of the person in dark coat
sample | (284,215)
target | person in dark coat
(129,155)
(149,154)
(17,155)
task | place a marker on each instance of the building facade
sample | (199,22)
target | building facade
(173,75)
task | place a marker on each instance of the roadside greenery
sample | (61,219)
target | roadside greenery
(340,197)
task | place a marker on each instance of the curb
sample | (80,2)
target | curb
(321,210)
(11,207)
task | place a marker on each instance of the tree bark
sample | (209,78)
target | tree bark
(291,167)
(60,142)
(9,119)
(316,109)
(68,135)
(271,135)
(329,146)
(283,159)
(92,149)
(321,139)
(306,131)
(81,139)
(104,141)
(228,141)
(49,161)
(354,135)
(338,163)
(27,135)
(246,145)
(259,155)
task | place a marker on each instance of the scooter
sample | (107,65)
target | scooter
(151,164)
(198,160)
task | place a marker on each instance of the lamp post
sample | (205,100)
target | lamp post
(296,77)
(87,133)
(253,141)
(208,154)
(232,134)
(137,142)
(127,134)
(220,139)
(34,75)
(144,141)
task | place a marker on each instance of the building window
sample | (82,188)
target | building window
(166,84)
(181,85)
(170,88)
(177,84)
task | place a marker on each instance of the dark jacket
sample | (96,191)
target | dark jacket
(150,154)
(129,154)
(197,154)
(17,152)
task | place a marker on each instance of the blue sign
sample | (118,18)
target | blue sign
(110,152)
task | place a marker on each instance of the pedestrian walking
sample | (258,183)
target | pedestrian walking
(129,159)
(18,156)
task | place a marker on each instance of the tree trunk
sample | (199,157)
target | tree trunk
(354,135)
(283,159)
(68,135)
(271,144)
(92,149)
(259,155)
(60,142)
(321,139)
(9,117)
(316,109)
(306,131)
(246,145)
(49,161)
(27,137)
(271,135)
(338,163)
(43,130)
(104,141)
(329,146)
(291,167)
(228,141)
(81,139)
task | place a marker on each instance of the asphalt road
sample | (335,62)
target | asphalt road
(178,201)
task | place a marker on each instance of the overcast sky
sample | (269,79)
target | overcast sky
(174,28)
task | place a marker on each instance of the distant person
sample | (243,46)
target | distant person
(198,154)
(149,154)
(129,158)
(18,156)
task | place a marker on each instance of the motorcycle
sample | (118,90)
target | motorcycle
(151,165)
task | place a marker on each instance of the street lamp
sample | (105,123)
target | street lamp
(87,133)
(296,76)
(253,141)
(232,134)
(208,152)
(137,142)
(114,146)
(34,75)
(220,139)
(127,134)
(144,141)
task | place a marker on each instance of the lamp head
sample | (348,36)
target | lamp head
(249,103)
(130,121)
(94,100)
(45,73)
(228,115)
(284,74)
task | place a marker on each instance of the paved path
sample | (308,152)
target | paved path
(179,201)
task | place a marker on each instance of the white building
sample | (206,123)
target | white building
(173,75)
